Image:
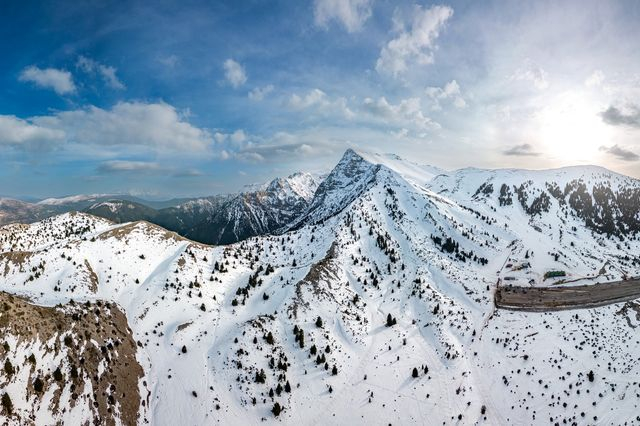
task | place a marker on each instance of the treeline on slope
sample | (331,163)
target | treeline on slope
(222,219)
(603,209)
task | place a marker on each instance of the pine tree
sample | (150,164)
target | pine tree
(334,370)
(7,404)
(57,375)
(38,386)
(415,373)
(8,368)
(287,387)
(389,320)
(276,409)
(261,376)
(269,338)
(319,322)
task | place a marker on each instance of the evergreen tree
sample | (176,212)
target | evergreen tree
(8,368)
(38,386)
(7,404)
(269,338)
(277,409)
(57,375)
(415,373)
(389,320)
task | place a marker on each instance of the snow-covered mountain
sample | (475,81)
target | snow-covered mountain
(16,211)
(218,219)
(258,212)
(372,306)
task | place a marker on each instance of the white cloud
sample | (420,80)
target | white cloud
(108,73)
(532,73)
(259,93)
(128,166)
(238,136)
(407,112)
(15,131)
(158,126)
(50,78)
(415,43)
(320,102)
(313,98)
(219,137)
(594,80)
(450,91)
(234,73)
(351,13)
(169,61)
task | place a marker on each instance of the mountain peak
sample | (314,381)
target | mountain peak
(349,178)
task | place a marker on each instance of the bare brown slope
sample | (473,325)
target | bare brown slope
(86,334)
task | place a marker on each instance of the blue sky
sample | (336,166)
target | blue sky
(188,98)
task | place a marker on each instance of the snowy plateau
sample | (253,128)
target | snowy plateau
(371,303)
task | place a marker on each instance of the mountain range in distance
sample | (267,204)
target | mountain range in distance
(372,296)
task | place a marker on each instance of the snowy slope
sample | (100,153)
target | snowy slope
(399,262)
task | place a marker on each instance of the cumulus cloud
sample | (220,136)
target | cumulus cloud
(120,166)
(627,116)
(19,132)
(450,91)
(236,138)
(350,13)
(522,150)
(532,73)
(620,153)
(320,102)
(259,93)
(157,126)
(108,73)
(595,79)
(234,73)
(60,81)
(406,112)
(414,41)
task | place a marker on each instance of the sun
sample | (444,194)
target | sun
(570,129)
